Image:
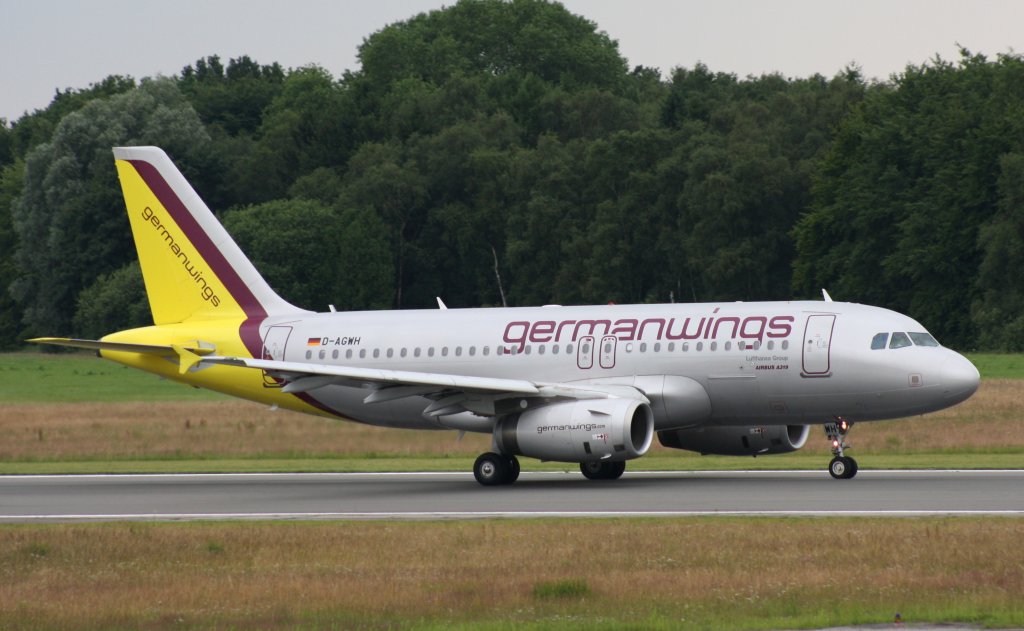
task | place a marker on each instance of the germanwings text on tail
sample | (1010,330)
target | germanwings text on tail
(591,385)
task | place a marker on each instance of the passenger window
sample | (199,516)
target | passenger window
(391,353)
(771,345)
(416,352)
(487,351)
(348,354)
(785,344)
(309,354)
(899,340)
(430,352)
(554,349)
(472,351)
(878,342)
(728,346)
(657,347)
(700,346)
(362,353)
(741,345)
(686,347)
(322,353)
(923,339)
(540,349)
(403,352)
(334,354)
(671,347)
(643,347)
(444,351)
(458,351)
(568,349)
(376,353)
(714,346)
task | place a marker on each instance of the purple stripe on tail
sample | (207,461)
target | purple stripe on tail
(195,234)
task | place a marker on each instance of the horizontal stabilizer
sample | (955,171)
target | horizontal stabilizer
(121,347)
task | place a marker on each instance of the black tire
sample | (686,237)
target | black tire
(839,468)
(853,468)
(491,469)
(602,470)
(513,469)
(617,469)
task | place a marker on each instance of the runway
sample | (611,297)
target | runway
(28,499)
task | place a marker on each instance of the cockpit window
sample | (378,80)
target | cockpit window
(923,339)
(899,340)
(878,342)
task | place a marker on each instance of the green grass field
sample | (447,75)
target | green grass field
(83,377)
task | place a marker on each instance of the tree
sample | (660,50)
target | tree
(69,217)
(291,243)
(113,302)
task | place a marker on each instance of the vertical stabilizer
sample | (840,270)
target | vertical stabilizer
(191,265)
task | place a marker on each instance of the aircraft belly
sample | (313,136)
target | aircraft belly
(348,402)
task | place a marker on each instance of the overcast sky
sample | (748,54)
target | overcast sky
(45,45)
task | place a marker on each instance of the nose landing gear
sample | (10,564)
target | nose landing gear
(841,467)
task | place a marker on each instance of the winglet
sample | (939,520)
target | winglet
(440,303)
(824,294)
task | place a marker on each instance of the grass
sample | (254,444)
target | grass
(998,365)
(985,431)
(695,573)
(82,377)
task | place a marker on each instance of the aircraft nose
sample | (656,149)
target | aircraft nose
(959,378)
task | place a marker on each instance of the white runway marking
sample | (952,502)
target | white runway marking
(427,516)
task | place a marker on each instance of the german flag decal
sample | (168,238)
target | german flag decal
(313,341)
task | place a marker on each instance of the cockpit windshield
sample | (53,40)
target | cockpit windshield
(923,339)
(901,340)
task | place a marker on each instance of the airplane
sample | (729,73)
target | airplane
(580,384)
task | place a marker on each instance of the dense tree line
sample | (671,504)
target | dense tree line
(504,153)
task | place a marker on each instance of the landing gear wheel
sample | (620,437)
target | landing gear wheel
(602,470)
(839,468)
(842,467)
(513,469)
(491,469)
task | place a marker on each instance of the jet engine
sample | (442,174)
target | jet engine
(611,430)
(751,440)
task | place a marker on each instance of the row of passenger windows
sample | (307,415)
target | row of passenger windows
(543,349)
(901,340)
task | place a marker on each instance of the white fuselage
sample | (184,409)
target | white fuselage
(766,363)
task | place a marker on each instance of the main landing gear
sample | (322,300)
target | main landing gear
(602,470)
(492,469)
(842,467)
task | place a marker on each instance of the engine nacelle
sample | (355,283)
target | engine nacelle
(579,431)
(737,441)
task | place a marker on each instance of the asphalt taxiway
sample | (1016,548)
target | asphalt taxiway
(457,495)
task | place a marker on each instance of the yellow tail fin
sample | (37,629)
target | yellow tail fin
(191,266)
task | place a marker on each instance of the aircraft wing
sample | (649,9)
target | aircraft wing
(451,393)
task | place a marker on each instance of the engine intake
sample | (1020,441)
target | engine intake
(579,431)
(752,440)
